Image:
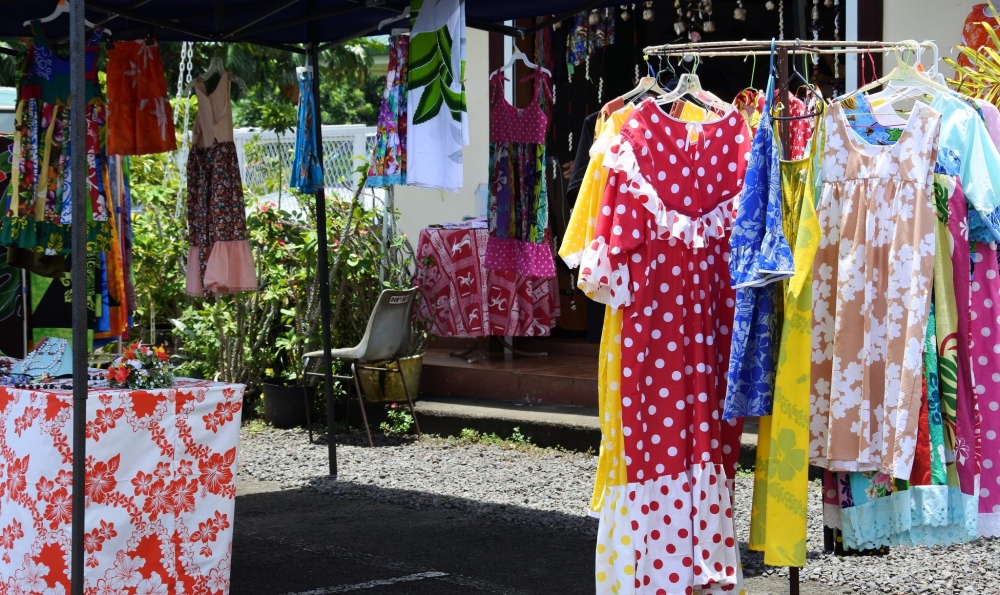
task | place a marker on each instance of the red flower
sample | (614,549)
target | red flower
(64,478)
(158,501)
(121,374)
(45,488)
(206,532)
(11,534)
(182,495)
(60,508)
(162,470)
(101,479)
(143,483)
(15,476)
(105,419)
(107,530)
(92,542)
(217,471)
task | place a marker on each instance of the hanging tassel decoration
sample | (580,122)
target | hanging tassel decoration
(740,13)
(570,142)
(600,89)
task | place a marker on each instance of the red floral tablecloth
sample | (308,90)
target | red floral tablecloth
(466,300)
(160,483)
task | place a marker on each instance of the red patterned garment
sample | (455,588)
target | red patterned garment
(161,489)
(661,253)
(464,299)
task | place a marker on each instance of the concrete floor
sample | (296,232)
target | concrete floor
(295,543)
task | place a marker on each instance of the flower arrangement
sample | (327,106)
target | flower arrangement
(141,367)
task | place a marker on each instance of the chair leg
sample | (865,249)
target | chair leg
(309,426)
(406,389)
(361,402)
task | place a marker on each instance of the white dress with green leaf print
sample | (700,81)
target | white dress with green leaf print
(437,118)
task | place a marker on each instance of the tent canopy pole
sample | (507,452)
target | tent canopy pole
(79,189)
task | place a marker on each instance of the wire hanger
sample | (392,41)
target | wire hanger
(805,83)
(689,84)
(519,55)
(63,8)
(215,66)
(904,72)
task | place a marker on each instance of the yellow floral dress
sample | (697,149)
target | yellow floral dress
(781,478)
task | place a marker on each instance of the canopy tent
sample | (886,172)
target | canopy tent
(284,24)
(279,23)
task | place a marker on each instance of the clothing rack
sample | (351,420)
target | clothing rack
(782,50)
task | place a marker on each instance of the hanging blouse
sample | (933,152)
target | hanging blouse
(518,206)
(660,254)
(875,264)
(141,120)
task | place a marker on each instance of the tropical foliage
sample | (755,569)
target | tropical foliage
(982,79)
(431,69)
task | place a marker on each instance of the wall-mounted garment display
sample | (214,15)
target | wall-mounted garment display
(307,171)
(140,120)
(518,206)
(219,260)
(437,123)
(388,165)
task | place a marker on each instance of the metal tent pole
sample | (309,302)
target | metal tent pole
(323,265)
(78,167)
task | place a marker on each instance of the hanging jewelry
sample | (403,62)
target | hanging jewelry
(836,37)
(586,68)
(708,26)
(647,11)
(600,89)
(769,5)
(815,29)
(594,17)
(781,19)
(740,13)
(553,93)
(570,142)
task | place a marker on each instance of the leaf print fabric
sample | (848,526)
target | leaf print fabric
(875,265)
(778,518)
(437,119)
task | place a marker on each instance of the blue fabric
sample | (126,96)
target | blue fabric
(307,171)
(760,256)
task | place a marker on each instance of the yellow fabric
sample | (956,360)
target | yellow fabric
(781,481)
(580,230)
(692,113)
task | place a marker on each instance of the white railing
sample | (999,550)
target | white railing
(344,148)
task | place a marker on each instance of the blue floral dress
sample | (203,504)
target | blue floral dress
(760,258)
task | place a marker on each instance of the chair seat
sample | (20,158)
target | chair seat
(344,353)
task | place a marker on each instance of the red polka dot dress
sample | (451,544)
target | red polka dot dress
(661,253)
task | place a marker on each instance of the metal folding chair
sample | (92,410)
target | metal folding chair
(388,333)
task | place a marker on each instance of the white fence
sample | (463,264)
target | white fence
(344,147)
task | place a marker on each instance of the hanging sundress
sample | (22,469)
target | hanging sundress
(656,225)
(520,239)
(140,120)
(388,167)
(437,124)
(39,203)
(781,479)
(761,257)
(219,260)
(880,275)
(307,171)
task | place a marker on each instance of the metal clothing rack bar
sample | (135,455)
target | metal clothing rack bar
(783,49)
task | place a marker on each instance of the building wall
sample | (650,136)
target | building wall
(940,21)
(420,207)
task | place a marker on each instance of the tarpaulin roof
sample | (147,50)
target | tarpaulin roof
(267,22)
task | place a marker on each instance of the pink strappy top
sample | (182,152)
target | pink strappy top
(509,124)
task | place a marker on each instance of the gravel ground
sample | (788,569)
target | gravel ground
(535,486)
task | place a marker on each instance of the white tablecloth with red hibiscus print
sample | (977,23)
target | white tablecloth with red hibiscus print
(160,484)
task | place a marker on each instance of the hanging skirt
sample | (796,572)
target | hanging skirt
(219,260)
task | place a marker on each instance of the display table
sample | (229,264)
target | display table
(161,489)
(466,300)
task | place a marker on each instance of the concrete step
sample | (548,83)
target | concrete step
(547,425)
(554,380)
